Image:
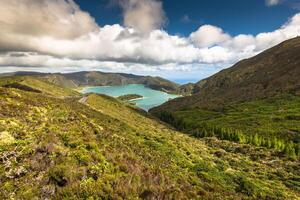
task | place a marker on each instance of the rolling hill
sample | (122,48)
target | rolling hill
(96,147)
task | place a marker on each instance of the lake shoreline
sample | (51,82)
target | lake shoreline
(148,99)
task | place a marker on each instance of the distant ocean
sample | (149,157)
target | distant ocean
(184,81)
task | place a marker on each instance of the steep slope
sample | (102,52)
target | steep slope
(186,89)
(60,80)
(272,72)
(256,101)
(55,148)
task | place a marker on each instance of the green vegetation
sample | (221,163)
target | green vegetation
(186,89)
(272,123)
(273,72)
(129,97)
(96,78)
(38,85)
(255,102)
(58,148)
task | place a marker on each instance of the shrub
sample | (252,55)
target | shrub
(58,176)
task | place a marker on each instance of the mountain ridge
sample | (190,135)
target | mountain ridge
(255,102)
(97,78)
(274,71)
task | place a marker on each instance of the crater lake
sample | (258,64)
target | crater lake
(151,98)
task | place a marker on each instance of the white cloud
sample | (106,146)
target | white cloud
(50,29)
(143,15)
(30,61)
(241,42)
(58,19)
(272,2)
(289,30)
(232,49)
(208,35)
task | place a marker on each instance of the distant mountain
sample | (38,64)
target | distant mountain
(187,89)
(275,71)
(95,78)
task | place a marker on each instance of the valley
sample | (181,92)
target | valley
(149,100)
(57,147)
(74,142)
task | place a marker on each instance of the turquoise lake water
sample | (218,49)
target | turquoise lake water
(152,98)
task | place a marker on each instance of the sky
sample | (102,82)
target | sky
(184,41)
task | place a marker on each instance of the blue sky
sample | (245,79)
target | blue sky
(179,40)
(184,17)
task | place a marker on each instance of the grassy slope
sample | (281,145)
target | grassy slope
(272,122)
(39,85)
(279,116)
(60,148)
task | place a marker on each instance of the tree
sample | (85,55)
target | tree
(297,149)
(290,150)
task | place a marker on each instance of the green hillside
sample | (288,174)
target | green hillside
(96,147)
(274,71)
(31,83)
(254,102)
(271,123)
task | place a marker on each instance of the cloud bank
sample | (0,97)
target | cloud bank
(56,35)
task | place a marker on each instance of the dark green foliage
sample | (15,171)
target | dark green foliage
(290,149)
(57,175)
(249,123)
